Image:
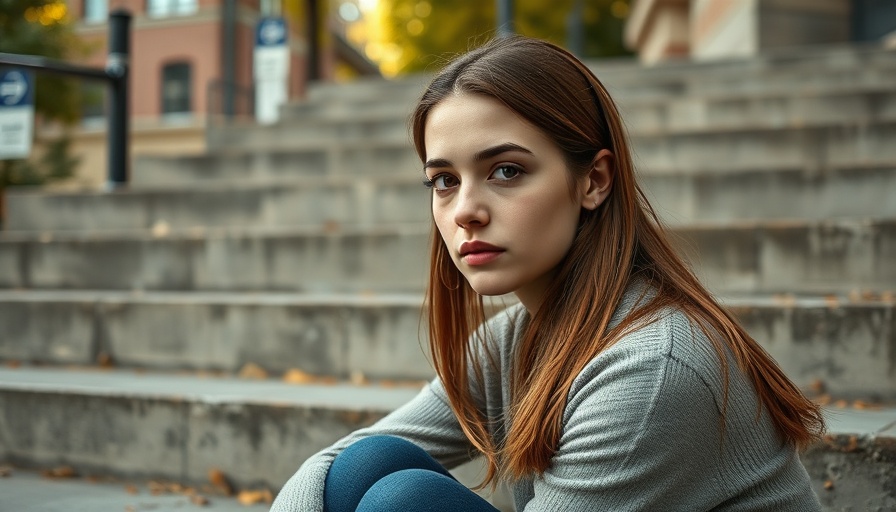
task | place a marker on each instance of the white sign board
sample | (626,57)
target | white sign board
(270,69)
(16,113)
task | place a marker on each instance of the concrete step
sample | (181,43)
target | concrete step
(377,157)
(390,258)
(258,432)
(784,69)
(327,201)
(836,256)
(848,343)
(349,122)
(372,336)
(744,148)
(28,491)
(332,201)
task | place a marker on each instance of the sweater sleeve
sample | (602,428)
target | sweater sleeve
(426,420)
(635,419)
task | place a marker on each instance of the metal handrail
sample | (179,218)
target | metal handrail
(116,74)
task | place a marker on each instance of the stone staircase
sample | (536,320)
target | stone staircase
(299,248)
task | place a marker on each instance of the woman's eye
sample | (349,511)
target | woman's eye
(506,172)
(442,182)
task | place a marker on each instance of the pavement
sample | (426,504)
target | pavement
(28,491)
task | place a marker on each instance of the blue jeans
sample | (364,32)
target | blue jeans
(390,474)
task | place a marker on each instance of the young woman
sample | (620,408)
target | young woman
(617,382)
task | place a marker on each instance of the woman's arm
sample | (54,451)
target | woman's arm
(426,420)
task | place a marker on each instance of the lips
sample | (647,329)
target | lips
(479,253)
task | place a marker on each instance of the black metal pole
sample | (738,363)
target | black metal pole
(313,41)
(228,59)
(117,67)
(505,18)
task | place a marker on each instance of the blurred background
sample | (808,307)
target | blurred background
(245,286)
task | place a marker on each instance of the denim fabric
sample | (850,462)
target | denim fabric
(390,474)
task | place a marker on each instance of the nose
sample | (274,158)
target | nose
(470,209)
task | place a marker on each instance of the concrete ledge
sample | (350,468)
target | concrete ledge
(848,345)
(334,202)
(332,336)
(258,433)
(763,256)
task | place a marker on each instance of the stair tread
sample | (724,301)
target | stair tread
(211,390)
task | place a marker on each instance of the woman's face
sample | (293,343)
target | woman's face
(502,196)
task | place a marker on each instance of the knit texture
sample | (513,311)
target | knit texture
(641,430)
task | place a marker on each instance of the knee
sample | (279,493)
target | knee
(374,447)
(409,489)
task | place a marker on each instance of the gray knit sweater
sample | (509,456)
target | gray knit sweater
(640,431)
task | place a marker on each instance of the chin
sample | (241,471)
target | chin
(489,287)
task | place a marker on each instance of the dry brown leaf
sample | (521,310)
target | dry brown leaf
(841,404)
(823,400)
(60,472)
(131,489)
(5,471)
(296,376)
(253,371)
(12,363)
(253,497)
(817,386)
(104,360)
(220,481)
(358,378)
(198,499)
(863,406)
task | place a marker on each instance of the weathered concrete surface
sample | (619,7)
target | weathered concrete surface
(762,257)
(854,468)
(734,150)
(849,347)
(340,336)
(786,193)
(848,344)
(178,427)
(326,202)
(27,491)
(308,260)
(258,432)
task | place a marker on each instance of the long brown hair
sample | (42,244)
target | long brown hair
(619,241)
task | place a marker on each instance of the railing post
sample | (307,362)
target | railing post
(117,67)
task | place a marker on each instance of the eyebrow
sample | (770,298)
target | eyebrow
(485,154)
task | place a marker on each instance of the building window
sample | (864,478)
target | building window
(163,8)
(176,86)
(96,11)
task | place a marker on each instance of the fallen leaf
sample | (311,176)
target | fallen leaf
(198,499)
(220,481)
(296,376)
(253,371)
(841,404)
(60,472)
(359,379)
(5,471)
(104,360)
(131,489)
(253,497)
(817,386)
(12,363)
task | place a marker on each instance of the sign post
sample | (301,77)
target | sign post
(16,113)
(270,69)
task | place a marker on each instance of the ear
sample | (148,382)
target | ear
(595,186)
